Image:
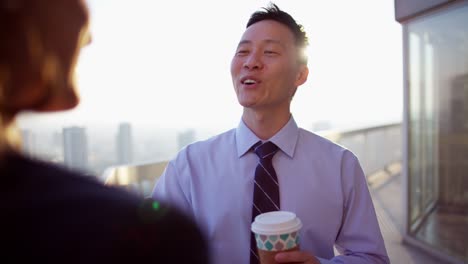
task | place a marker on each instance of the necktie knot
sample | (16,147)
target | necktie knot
(265,150)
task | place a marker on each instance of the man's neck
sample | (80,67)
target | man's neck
(265,124)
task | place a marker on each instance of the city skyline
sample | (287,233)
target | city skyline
(120,144)
(92,151)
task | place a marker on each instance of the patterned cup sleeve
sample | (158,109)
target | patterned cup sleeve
(277,242)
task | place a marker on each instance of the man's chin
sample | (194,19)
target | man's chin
(246,103)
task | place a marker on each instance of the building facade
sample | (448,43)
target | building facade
(75,148)
(124,143)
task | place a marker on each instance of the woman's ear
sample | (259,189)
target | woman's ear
(32,78)
(23,82)
(21,64)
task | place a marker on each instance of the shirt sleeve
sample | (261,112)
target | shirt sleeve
(172,189)
(359,239)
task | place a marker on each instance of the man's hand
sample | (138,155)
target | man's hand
(296,257)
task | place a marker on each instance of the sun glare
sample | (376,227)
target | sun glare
(162,64)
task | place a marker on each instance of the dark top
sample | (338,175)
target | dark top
(49,214)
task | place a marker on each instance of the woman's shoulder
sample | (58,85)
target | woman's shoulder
(32,177)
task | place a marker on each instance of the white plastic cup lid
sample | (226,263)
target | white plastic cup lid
(276,223)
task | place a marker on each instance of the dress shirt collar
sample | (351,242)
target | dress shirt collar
(285,139)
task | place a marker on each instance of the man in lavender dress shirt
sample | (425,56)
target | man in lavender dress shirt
(321,182)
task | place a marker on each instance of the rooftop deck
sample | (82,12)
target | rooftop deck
(386,184)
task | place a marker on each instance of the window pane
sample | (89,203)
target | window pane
(438,74)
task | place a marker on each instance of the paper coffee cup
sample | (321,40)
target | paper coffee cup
(274,232)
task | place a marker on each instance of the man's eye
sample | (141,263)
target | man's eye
(242,52)
(270,52)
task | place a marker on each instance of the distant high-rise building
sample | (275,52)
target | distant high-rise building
(75,147)
(185,138)
(124,144)
(28,142)
(57,146)
(321,125)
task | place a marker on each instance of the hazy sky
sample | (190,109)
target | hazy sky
(166,63)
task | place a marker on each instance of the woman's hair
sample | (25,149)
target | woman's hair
(37,55)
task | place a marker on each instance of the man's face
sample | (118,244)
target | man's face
(265,69)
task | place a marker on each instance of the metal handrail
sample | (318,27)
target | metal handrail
(376,148)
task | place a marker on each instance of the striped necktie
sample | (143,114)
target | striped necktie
(266,188)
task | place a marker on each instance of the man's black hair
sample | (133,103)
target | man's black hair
(272,12)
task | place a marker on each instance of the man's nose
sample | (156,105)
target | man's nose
(253,61)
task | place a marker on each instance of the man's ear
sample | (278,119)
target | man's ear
(302,75)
